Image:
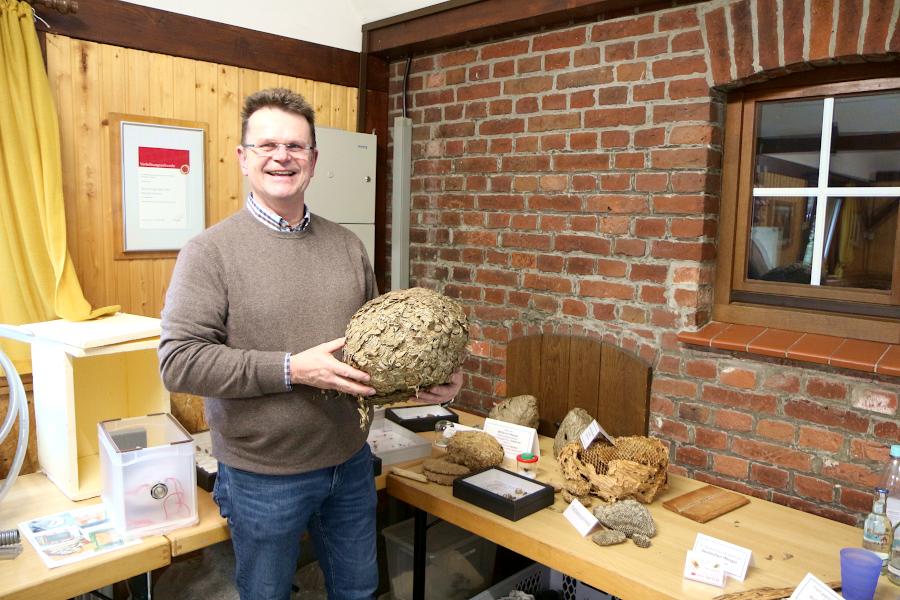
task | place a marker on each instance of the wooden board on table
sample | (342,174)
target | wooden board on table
(706,503)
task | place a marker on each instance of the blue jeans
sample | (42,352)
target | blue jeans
(268,514)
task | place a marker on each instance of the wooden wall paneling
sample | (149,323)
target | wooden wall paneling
(523,368)
(206,110)
(554,394)
(625,393)
(584,375)
(338,107)
(352,98)
(322,103)
(227,172)
(112,97)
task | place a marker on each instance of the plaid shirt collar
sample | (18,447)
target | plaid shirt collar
(274,221)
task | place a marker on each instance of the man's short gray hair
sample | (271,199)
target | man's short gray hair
(281,98)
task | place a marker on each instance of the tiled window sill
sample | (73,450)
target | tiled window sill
(847,353)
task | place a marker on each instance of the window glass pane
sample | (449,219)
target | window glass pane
(781,239)
(859,243)
(788,139)
(865,144)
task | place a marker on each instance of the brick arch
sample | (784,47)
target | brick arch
(753,40)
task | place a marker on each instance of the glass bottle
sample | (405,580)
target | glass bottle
(893,570)
(890,480)
(877,532)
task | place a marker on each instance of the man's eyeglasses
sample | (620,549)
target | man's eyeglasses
(270,148)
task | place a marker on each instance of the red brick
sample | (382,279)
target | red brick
(684,158)
(620,51)
(631,71)
(547,283)
(869,450)
(613,203)
(622,28)
(652,294)
(821,29)
(682,250)
(850,473)
(574,308)
(648,91)
(731,466)
(687,41)
(581,162)
(553,141)
(525,240)
(783,382)
(585,77)
(580,243)
(496,107)
(612,95)
(698,111)
(856,500)
(769,476)
(615,182)
(528,65)
(583,223)
(553,102)
(586,56)
(697,182)
(694,135)
(824,388)
(615,117)
(680,19)
(889,430)
(653,46)
(651,182)
(704,369)
(485,164)
(525,163)
(557,202)
(815,509)
(768,40)
(742,33)
(737,377)
(649,272)
(630,247)
(814,488)
(543,303)
(661,406)
(710,438)
(503,69)
(848,27)
(692,456)
(825,415)
(615,138)
(613,225)
(554,122)
(719,46)
(579,266)
(504,49)
(559,39)
(603,312)
(739,399)
(459,57)
(877,27)
(611,268)
(821,439)
(500,202)
(776,430)
(604,289)
(649,227)
(731,420)
(698,413)
(633,314)
(527,85)
(646,138)
(478,91)
(793,13)
(697,87)
(582,99)
(559,60)
(772,453)
(681,204)
(675,67)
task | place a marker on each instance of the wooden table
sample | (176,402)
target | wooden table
(786,543)
(27,577)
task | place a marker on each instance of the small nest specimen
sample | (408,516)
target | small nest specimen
(634,468)
(475,449)
(570,429)
(442,471)
(406,340)
(521,410)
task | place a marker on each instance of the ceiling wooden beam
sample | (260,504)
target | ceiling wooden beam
(459,22)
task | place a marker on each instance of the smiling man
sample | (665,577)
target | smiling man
(256,308)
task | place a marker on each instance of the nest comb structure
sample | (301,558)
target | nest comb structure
(407,340)
(634,468)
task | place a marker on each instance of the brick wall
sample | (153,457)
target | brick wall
(568,181)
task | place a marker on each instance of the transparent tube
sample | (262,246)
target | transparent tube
(18,404)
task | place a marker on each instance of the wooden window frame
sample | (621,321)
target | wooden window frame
(740,301)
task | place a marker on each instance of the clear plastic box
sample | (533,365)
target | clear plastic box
(147,469)
(538,578)
(458,563)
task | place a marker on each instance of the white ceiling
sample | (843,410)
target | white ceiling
(336,23)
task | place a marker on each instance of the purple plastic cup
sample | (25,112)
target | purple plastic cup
(860,570)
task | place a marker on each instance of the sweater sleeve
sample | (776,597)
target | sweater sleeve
(194,355)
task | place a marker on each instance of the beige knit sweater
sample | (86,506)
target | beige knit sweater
(242,296)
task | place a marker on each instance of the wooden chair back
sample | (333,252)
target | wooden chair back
(564,372)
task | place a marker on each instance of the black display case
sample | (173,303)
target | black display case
(421,417)
(503,492)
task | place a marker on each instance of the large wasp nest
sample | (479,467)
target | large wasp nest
(406,340)
(634,468)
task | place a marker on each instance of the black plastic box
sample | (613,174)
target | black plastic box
(497,490)
(420,417)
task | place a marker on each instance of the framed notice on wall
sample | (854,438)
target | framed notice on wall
(159,184)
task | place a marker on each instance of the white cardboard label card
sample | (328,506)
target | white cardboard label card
(590,434)
(736,559)
(813,588)
(703,568)
(515,439)
(580,517)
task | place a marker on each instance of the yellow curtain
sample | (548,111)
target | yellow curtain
(37,277)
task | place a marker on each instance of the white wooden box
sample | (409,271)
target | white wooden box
(87,372)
